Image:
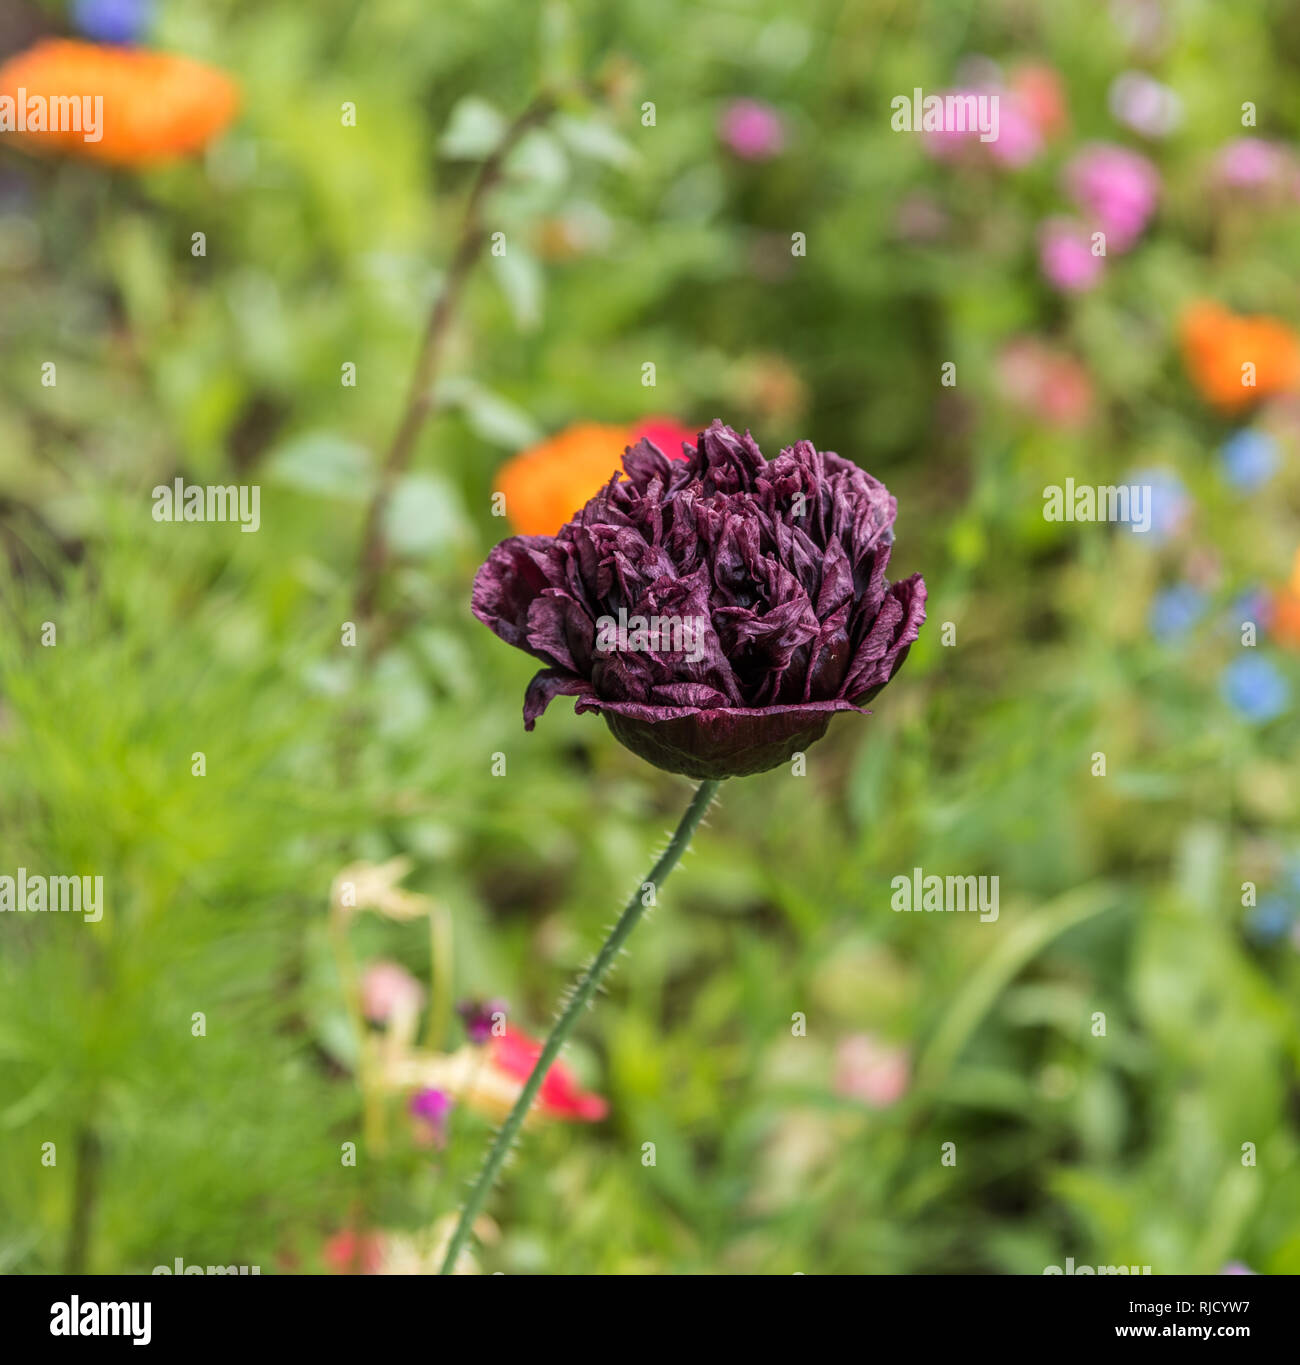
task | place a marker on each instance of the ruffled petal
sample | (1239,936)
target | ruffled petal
(717,610)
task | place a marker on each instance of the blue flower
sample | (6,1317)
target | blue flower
(1249,459)
(1175,611)
(1270,919)
(112,21)
(1170,504)
(1255,689)
(1252,605)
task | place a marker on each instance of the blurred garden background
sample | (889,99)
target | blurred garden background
(716,192)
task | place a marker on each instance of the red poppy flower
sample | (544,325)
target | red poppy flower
(561,1096)
(352,1253)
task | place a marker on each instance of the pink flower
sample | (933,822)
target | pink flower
(1019,139)
(752,130)
(1117,188)
(1066,258)
(1142,103)
(1256,167)
(352,1253)
(1047,384)
(1144,25)
(871,1071)
(389,990)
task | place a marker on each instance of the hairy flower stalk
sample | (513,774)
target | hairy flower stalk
(779,568)
(583,991)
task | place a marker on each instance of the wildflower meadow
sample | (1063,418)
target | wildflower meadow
(462,464)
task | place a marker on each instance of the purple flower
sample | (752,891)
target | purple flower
(432,1107)
(1117,187)
(1255,604)
(752,130)
(112,21)
(1249,459)
(1255,689)
(480,1018)
(1065,255)
(717,611)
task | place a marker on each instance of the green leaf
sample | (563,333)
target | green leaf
(596,140)
(32,1103)
(323,463)
(425,513)
(473,130)
(1029,936)
(521,281)
(490,416)
(539,158)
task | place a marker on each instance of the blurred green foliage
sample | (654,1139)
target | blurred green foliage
(324,246)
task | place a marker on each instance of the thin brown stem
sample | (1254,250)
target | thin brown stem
(85,1187)
(419,403)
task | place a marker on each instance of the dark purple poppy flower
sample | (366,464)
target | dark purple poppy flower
(716,611)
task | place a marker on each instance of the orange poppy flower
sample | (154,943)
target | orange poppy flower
(1218,344)
(1285,625)
(546,485)
(140,107)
